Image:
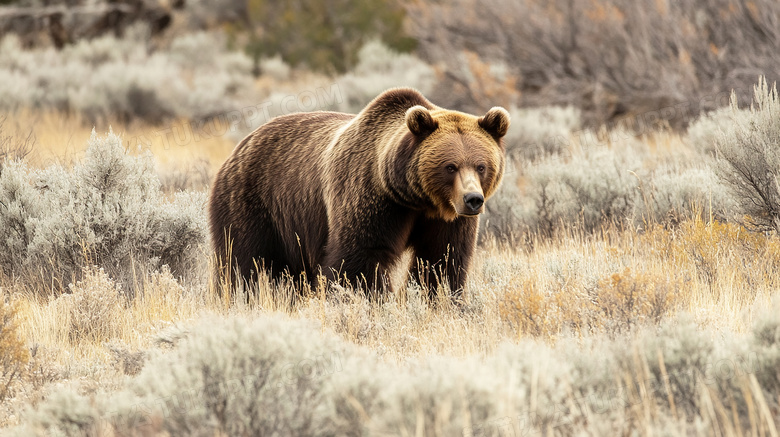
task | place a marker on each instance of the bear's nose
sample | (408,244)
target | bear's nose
(474,201)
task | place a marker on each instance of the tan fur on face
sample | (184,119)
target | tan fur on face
(460,141)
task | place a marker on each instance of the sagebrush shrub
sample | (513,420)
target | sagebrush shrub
(19,202)
(749,163)
(681,193)
(274,376)
(526,309)
(685,352)
(94,307)
(379,68)
(538,132)
(107,210)
(766,336)
(702,244)
(110,77)
(703,133)
(609,178)
(627,299)
(275,67)
(129,362)
(510,211)
(65,413)
(599,185)
(534,134)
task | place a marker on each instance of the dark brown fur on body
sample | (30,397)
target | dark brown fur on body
(351,193)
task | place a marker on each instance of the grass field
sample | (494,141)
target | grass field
(531,301)
(627,271)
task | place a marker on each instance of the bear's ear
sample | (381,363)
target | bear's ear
(495,122)
(420,122)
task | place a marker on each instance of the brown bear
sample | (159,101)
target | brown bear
(346,195)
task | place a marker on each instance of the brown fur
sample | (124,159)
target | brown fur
(350,193)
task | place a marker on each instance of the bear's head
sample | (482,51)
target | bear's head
(458,159)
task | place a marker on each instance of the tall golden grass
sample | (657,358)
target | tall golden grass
(569,284)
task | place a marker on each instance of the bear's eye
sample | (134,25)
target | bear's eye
(451,168)
(481,168)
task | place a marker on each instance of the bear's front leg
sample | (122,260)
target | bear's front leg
(443,252)
(365,247)
(364,268)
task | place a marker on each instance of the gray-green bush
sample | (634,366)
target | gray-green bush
(378,68)
(589,180)
(703,132)
(538,132)
(275,376)
(749,151)
(510,211)
(677,193)
(588,187)
(107,210)
(125,77)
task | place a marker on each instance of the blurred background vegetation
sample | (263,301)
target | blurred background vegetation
(609,58)
(322,35)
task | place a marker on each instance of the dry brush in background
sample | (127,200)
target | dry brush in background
(598,238)
(610,58)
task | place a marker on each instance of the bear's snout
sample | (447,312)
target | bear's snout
(467,196)
(474,202)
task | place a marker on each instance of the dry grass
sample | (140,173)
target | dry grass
(570,285)
(567,285)
(716,271)
(63,137)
